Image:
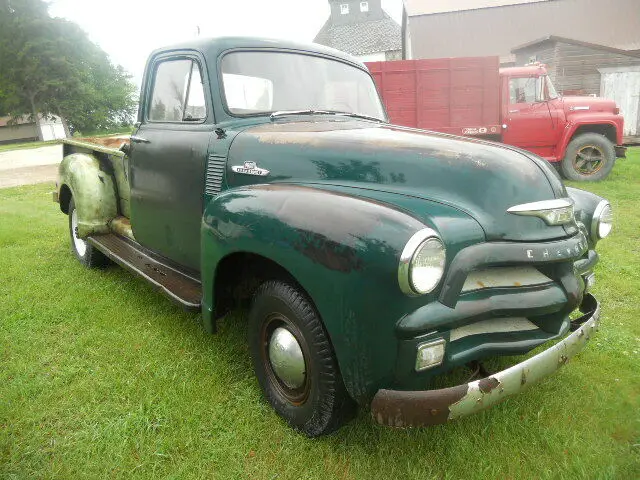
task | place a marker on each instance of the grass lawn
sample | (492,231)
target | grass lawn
(100,376)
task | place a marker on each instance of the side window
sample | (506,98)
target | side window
(178,93)
(196,109)
(525,90)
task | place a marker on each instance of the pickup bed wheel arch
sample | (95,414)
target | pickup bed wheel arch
(87,254)
(92,186)
(65,198)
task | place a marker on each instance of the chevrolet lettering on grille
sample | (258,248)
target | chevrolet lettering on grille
(578,248)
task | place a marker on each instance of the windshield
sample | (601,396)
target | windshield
(267,82)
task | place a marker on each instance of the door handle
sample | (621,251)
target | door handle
(514,111)
(136,139)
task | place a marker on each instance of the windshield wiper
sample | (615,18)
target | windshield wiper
(282,113)
(357,115)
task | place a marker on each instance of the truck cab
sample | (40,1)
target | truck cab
(582,136)
(264,174)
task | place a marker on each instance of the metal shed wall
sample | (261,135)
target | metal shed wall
(495,31)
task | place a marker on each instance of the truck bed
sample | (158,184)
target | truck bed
(460,96)
(110,144)
(114,156)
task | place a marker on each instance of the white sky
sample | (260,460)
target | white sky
(128,30)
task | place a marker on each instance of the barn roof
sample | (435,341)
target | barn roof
(571,41)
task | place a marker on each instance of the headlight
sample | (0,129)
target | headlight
(602,221)
(421,263)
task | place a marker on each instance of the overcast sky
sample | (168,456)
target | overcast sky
(128,30)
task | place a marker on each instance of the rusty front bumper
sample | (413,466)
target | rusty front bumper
(397,408)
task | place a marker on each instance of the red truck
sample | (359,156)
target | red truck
(580,136)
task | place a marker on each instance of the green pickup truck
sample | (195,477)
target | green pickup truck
(372,257)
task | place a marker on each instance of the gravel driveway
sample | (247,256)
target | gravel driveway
(29,166)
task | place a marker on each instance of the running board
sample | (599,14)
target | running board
(179,287)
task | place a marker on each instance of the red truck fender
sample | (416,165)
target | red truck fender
(597,123)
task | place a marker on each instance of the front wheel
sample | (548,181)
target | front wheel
(86,253)
(589,157)
(294,360)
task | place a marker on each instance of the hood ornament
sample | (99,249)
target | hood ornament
(250,168)
(553,212)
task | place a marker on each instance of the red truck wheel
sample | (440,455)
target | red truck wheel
(589,157)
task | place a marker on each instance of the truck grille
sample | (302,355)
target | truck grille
(215,173)
(492,277)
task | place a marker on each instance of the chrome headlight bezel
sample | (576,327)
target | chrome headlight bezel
(419,240)
(602,215)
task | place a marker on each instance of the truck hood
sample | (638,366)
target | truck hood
(482,179)
(588,104)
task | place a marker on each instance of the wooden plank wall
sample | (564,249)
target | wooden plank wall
(543,53)
(577,66)
(574,68)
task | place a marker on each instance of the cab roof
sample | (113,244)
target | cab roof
(527,70)
(214,47)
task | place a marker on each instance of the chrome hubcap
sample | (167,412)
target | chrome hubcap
(286,358)
(80,244)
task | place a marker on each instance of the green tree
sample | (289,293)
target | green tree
(49,66)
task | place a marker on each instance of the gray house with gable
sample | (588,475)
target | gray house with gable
(362,29)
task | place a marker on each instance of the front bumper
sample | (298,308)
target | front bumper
(397,408)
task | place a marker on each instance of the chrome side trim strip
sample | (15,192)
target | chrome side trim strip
(534,208)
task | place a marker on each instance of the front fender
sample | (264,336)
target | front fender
(585,204)
(579,120)
(93,192)
(342,249)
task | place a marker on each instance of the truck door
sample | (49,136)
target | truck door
(168,159)
(527,117)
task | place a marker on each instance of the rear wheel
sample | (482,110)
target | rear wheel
(589,157)
(294,360)
(86,253)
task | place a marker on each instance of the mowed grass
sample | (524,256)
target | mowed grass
(102,377)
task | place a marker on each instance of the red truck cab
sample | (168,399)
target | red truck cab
(581,135)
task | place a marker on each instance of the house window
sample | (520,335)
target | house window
(364,6)
(344,9)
